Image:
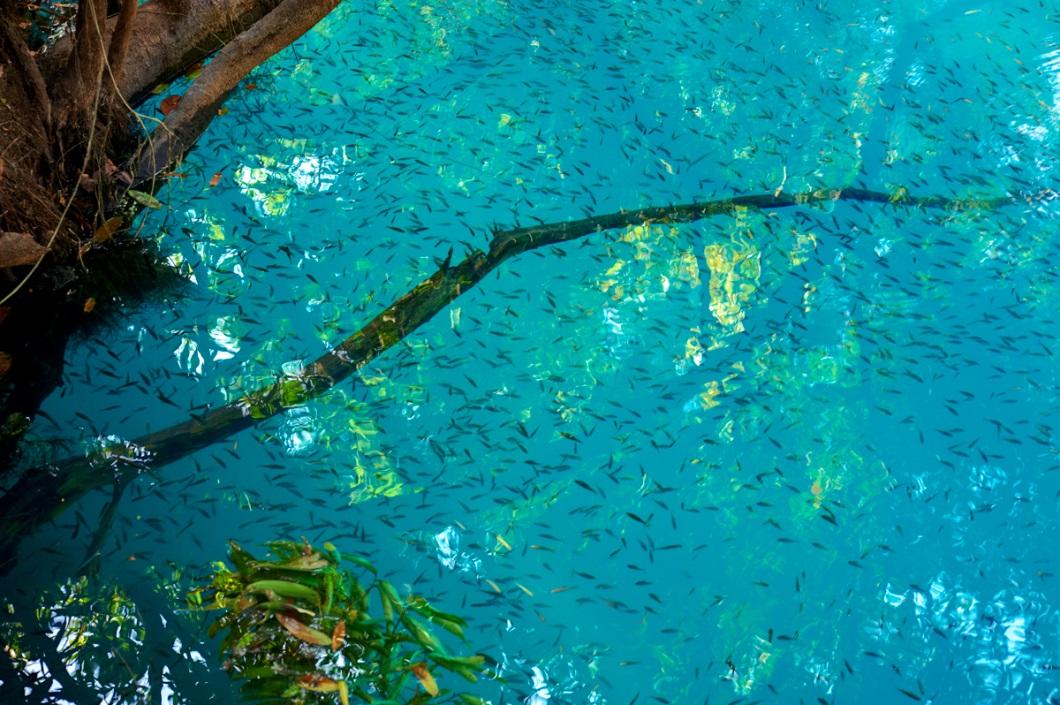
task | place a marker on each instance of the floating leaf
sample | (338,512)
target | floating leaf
(169,104)
(425,678)
(301,631)
(107,230)
(145,199)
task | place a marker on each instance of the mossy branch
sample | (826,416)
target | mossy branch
(42,493)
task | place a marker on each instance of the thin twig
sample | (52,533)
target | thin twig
(93,556)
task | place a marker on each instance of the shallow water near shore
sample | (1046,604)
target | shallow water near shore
(802,455)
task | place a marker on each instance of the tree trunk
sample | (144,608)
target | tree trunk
(119,39)
(75,92)
(26,64)
(289,21)
(168,36)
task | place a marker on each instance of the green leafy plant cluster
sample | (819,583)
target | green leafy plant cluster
(301,627)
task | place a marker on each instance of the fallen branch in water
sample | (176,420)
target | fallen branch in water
(42,493)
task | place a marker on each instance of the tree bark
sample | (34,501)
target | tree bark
(36,88)
(167,37)
(43,493)
(289,21)
(119,40)
(74,93)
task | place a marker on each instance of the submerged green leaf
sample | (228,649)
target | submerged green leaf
(285,588)
(279,659)
(144,199)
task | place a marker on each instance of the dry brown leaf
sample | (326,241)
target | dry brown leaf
(425,678)
(338,636)
(301,631)
(169,104)
(19,248)
(107,230)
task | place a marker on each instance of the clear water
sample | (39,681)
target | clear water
(793,456)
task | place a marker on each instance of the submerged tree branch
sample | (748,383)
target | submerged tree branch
(94,554)
(42,493)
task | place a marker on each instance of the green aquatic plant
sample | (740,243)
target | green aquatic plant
(302,627)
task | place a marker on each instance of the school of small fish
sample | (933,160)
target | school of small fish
(803,456)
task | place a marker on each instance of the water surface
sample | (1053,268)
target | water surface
(790,456)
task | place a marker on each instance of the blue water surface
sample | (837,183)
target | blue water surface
(801,455)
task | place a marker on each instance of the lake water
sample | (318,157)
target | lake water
(799,455)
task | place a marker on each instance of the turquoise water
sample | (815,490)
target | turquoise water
(803,455)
